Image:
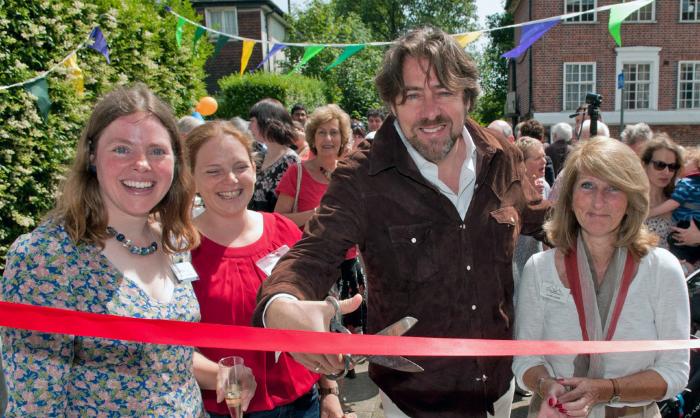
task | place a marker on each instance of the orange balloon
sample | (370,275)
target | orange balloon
(206,106)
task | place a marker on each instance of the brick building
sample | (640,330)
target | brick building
(250,19)
(660,58)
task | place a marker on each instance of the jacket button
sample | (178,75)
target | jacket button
(469,268)
(462,226)
(413,240)
(473,307)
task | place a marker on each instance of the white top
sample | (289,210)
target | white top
(429,170)
(656,308)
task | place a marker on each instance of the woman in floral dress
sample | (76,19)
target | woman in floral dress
(271,124)
(107,248)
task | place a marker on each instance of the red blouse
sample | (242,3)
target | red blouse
(226,290)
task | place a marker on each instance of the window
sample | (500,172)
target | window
(689,10)
(640,66)
(637,86)
(645,14)
(689,85)
(222,19)
(575,6)
(579,79)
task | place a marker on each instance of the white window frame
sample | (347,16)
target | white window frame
(564,83)
(696,80)
(636,12)
(207,17)
(639,55)
(581,22)
(697,12)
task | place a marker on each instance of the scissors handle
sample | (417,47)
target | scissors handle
(336,325)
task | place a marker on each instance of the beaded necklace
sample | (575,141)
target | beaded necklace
(126,243)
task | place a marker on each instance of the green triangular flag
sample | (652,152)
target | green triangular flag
(220,44)
(309,52)
(198,34)
(619,12)
(178,31)
(40,89)
(349,51)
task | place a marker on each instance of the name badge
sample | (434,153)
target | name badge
(555,292)
(184,272)
(269,262)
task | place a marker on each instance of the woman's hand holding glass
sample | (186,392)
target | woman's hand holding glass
(235,384)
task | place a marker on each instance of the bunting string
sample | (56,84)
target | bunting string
(618,13)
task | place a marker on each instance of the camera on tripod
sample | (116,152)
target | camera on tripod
(593,100)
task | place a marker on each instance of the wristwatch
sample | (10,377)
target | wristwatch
(328,391)
(615,398)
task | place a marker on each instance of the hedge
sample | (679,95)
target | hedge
(239,93)
(36,35)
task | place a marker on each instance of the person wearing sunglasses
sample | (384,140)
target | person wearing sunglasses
(661,158)
(684,203)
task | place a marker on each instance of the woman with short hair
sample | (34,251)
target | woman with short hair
(604,280)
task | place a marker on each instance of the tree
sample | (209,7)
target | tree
(494,70)
(389,19)
(350,84)
(34,36)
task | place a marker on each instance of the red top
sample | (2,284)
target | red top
(226,290)
(310,195)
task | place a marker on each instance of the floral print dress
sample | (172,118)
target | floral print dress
(53,375)
(264,197)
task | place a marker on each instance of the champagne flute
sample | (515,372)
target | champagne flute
(231,368)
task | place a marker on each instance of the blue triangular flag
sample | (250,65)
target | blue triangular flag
(99,44)
(275,49)
(40,89)
(531,33)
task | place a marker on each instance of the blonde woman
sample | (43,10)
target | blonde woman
(604,280)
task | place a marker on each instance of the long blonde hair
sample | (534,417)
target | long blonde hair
(615,163)
(79,207)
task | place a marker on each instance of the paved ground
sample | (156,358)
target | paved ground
(362,396)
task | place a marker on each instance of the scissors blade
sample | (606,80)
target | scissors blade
(396,362)
(403,364)
(399,327)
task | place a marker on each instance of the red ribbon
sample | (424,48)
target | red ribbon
(160,331)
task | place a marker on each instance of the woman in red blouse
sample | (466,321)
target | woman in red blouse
(234,240)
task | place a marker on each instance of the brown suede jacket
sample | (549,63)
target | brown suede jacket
(454,275)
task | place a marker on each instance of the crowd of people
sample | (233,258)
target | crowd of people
(285,218)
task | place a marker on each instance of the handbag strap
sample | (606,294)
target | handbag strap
(296,195)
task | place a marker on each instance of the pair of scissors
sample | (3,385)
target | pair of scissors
(396,329)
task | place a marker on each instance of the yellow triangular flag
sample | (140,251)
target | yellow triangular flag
(466,38)
(245,55)
(75,73)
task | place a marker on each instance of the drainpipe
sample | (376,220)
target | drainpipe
(529,71)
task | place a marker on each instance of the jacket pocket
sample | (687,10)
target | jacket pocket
(414,251)
(507,229)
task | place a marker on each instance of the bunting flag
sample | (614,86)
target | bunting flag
(223,39)
(275,49)
(530,34)
(618,13)
(347,53)
(245,55)
(466,38)
(309,52)
(100,43)
(178,31)
(198,34)
(75,73)
(40,89)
